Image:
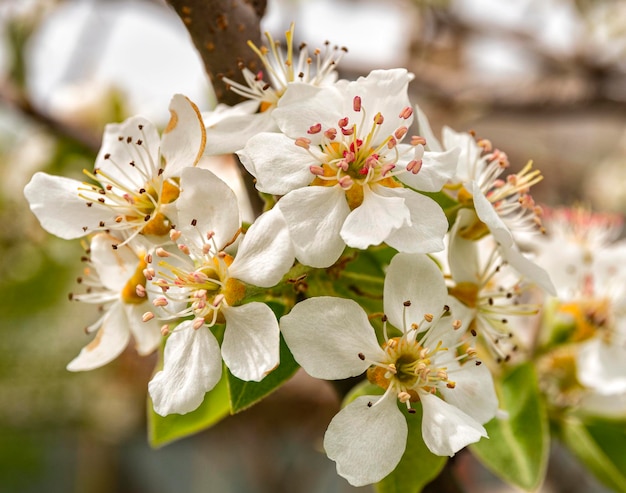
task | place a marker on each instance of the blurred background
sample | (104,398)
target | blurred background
(542,79)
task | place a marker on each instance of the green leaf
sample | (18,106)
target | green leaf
(418,466)
(518,446)
(600,446)
(214,408)
(245,394)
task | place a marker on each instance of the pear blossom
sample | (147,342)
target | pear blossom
(332,339)
(114,280)
(135,179)
(589,272)
(344,175)
(228,128)
(202,281)
(490,286)
(502,206)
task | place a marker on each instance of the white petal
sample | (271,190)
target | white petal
(265,254)
(314,216)
(602,366)
(192,365)
(383,91)
(231,133)
(120,147)
(147,335)
(445,428)
(304,105)
(326,335)
(432,144)
(114,267)
(277,163)
(367,442)
(463,255)
(55,202)
(184,138)
(474,392)
(415,278)
(426,228)
(375,219)
(470,166)
(111,339)
(528,269)
(213,205)
(487,214)
(437,169)
(251,342)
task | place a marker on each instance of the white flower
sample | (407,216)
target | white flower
(491,284)
(332,338)
(589,273)
(504,206)
(135,179)
(341,168)
(114,280)
(201,280)
(230,127)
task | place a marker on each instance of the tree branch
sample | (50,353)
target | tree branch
(220,30)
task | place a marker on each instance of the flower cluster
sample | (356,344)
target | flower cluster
(345,177)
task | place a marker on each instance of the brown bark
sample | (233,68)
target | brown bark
(220,30)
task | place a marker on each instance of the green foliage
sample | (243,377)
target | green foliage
(518,446)
(601,446)
(245,394)
(418,465)
(215,407)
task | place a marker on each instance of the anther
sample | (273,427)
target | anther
(316,170)
(140,290)
(400,132)
(356,103)
(428,317)
(314,129)
(194,222)
(303,142)
(160,301)
(407,303)
(456,325)
(417,140)
(197,323)
(361,356)
(175,234)
(379,119)
(165,330)
(161,252)
(406,113)
(414,166)
(147,316)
